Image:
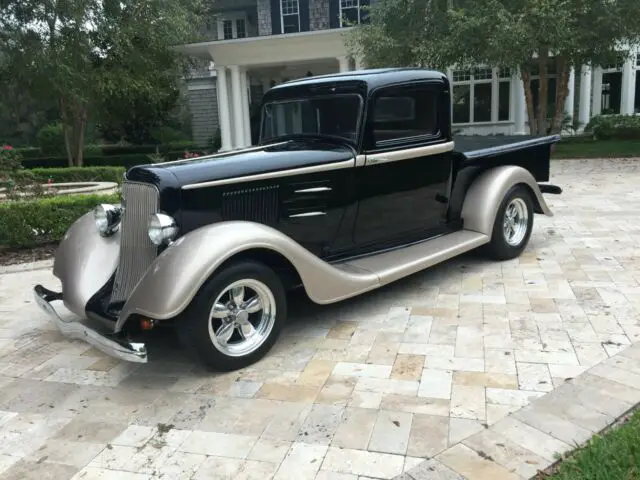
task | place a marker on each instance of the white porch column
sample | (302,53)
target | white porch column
(569,102)
(584,105)
(343,63)
(519,104)
(236,95)
(244,80)
(360,65)
(596,103)
(224,117)
(627,99)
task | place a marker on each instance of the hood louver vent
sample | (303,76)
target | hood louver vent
(258,204)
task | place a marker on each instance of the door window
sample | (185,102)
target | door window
(405,114)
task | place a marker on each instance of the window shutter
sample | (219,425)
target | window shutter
(303,6)
(334,13)
(276,25)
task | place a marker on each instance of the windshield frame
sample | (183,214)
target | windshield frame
(359,120)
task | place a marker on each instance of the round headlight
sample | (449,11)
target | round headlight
(107,218)
(162,229)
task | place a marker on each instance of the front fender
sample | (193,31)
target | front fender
(485,194)
(84,262)
(177,274)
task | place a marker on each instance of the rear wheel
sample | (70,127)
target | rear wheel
(236,316)
(513,225)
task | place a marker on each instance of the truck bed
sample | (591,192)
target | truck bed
(476,146)
(528,151)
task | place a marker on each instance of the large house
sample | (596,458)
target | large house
(255,44)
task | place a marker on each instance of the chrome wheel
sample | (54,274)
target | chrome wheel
(242,317)
(515,222)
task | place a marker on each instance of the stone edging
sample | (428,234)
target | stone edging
(530,439)
(26,267)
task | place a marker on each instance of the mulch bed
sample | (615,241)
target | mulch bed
(11,256)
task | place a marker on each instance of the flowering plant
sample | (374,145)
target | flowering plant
(191,155)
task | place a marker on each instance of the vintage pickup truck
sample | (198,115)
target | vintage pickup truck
(356,182)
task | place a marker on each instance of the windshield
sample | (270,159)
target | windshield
(335,115)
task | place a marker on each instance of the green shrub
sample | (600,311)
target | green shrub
(29,152)
(614,127)
(50,139)
(109,150)
(29,223)
(165,134)
(76,174)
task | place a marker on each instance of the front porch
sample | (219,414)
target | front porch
(248,67)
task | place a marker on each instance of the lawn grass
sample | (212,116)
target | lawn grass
(612,456)
(588,148)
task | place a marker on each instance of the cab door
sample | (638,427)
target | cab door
(402,186)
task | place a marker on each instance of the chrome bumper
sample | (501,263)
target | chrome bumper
(119,348)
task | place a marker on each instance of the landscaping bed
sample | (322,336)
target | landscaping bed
(614,454)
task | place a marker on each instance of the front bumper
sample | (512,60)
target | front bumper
(111,344)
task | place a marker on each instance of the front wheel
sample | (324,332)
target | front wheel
(513,225)
(236,317)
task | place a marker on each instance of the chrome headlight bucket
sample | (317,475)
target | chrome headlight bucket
(107,218)
(162,229)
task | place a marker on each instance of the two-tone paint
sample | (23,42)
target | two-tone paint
(339,217)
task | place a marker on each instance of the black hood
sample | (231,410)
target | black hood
(262,159)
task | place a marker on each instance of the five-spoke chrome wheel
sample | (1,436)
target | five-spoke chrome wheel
(512,224)
(515,222)
(236,316)
(242,317)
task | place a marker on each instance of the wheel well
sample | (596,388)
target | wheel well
(534,198)
(274,260)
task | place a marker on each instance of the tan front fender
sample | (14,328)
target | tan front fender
(177,274)
(483,198)
(84,262)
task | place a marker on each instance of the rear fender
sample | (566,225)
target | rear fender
(177,274)
(485,194)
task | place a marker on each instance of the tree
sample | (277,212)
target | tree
(528,35)
(81,53)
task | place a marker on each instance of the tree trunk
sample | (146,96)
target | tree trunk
(528,95)
(82,126)
(543,89)
(562,91)
(65,130)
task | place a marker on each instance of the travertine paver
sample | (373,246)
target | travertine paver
(464,365)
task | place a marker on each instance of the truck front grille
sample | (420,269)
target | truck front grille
(137,253)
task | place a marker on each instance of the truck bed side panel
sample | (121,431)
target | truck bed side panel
(474,155)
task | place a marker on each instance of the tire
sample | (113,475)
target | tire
(509,242)
(238,345)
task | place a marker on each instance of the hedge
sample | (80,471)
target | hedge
(614,127)
(117,150)
(29,223)
(75,174)
(126,161)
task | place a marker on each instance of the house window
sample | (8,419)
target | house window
(504,94)
(232,25)
(351,12)
(404,114)
(227,29)
(481,95)
(290,16)
(241,28)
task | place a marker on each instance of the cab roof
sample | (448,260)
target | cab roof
(373,78)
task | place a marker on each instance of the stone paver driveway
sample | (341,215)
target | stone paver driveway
(364,389)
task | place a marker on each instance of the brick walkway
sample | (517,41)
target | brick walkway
(368,388)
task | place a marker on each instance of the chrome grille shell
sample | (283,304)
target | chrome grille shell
(137,253)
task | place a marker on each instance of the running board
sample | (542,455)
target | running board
(396,264)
